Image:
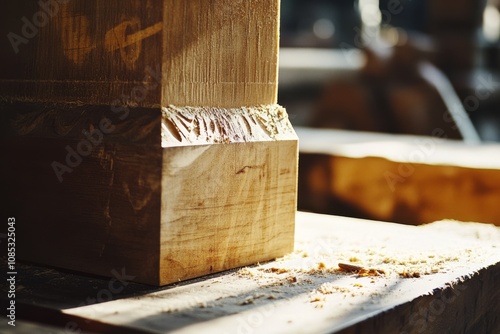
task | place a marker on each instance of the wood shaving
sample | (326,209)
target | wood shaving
(316,297)
(409,274)
(276,270)
(370,272)
(329,288)
(361,271)
(349,267)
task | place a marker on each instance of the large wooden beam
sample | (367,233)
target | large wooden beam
(145,135)
(404,179)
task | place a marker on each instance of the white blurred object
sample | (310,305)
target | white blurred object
(491,24)
(308,65)
(324,29)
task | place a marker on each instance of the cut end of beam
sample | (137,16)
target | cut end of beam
(185,126)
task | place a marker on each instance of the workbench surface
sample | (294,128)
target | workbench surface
(436,278)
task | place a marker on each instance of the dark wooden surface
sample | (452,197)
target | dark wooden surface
(88,51)
(105,213)
(164,211)
(216,53)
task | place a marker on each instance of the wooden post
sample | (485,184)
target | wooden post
(145,135)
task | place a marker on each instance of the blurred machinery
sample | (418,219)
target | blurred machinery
(399,67)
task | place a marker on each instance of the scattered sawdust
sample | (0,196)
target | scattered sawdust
(371,272)
(316,297)
(251,299)
(247,301)
(361,271)
(318,266)
(252,272)
(329,288)
(277,270)
(301,266)
(409,274)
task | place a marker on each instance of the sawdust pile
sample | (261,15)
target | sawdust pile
(377,259)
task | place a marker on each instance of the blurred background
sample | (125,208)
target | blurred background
(393,68)
(354,64)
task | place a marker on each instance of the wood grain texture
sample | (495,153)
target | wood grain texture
(166,192)
(189,126)
(231,203)
(100,52)
(405,179)
(461,297)
(164,213)
(206,65)
(103,212)
(226,206)
(89,51)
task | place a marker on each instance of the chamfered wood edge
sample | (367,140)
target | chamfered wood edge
(247,158)
(184,126)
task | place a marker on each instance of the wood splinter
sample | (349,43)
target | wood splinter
(361,271)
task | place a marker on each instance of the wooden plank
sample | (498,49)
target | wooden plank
(405,179)
(305,291)
(96,52)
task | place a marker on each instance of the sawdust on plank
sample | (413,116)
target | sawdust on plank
(325,262)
